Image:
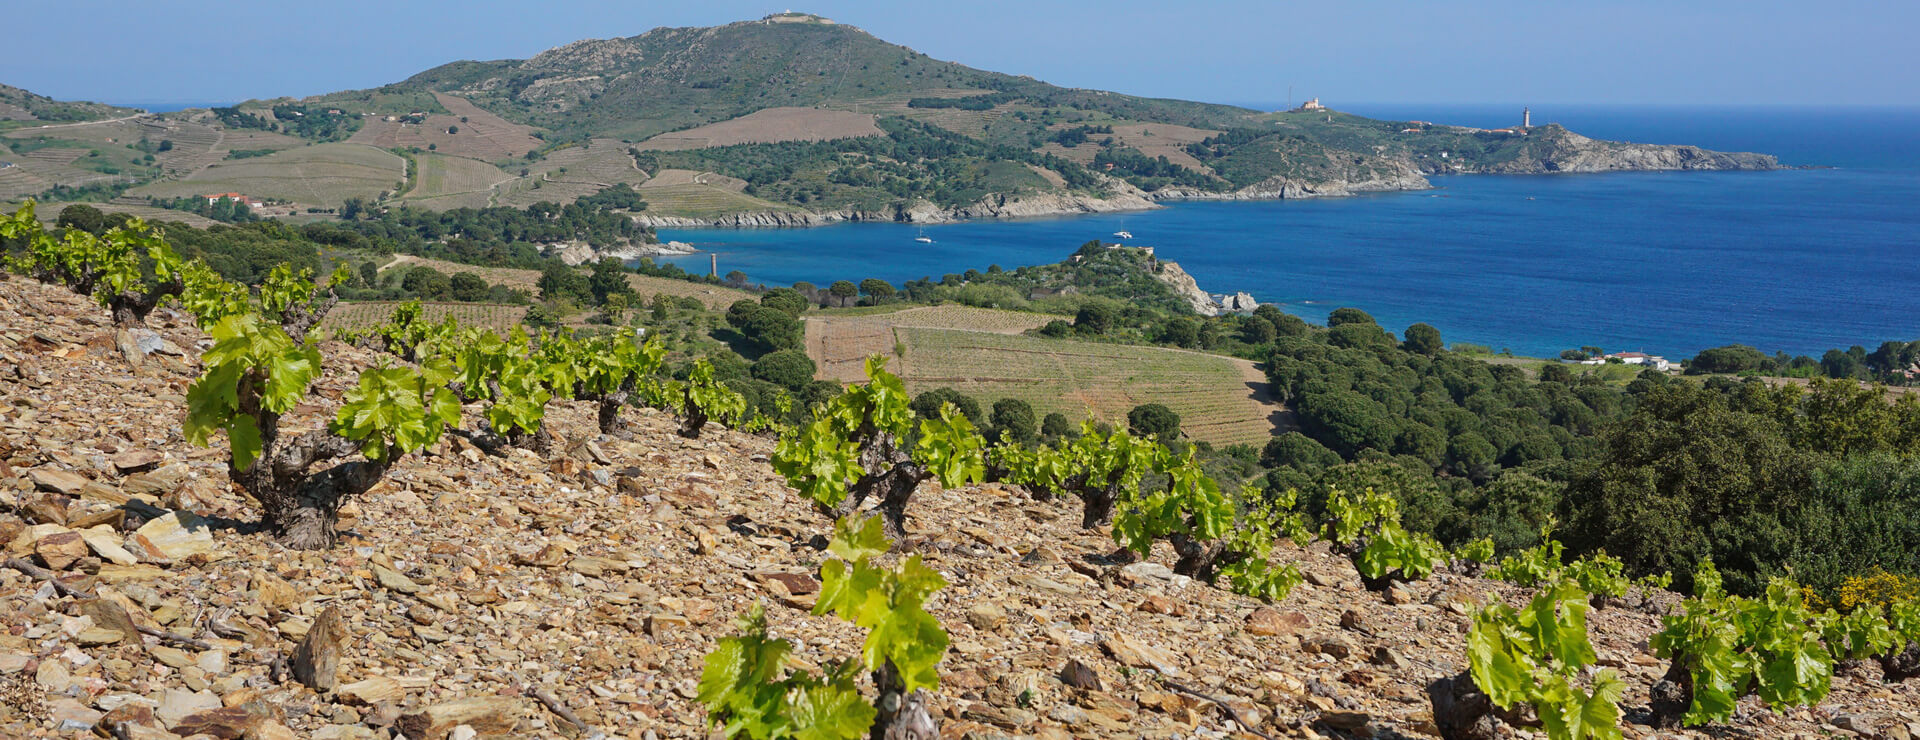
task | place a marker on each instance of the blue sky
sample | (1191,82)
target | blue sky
(1740,52)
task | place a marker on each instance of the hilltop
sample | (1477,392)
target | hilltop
(17,105)
(472,589)
(796,119)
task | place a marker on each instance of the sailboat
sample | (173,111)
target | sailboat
(1123,234)
(923,238)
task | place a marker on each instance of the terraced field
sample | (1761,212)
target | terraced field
(1219,399)
(482,135)
(362,314)
(321,175)
(573,172)
(840,343)
(445,182)
(767,126)
(56,165)
(17,182)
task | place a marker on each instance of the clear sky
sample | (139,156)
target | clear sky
(1414,51)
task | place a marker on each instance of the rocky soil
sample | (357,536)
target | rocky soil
(511,596)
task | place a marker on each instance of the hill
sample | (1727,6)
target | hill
(17,105)
(577,593)
(815,121)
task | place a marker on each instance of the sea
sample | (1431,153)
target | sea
(1669,263)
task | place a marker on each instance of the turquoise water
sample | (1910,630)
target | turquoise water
(1670,263)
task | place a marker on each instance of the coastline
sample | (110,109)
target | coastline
(1401,177)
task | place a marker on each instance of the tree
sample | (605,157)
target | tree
(842,290)
(788,368)
(1154,420)
(83,217)
(785,299)
(1183,331)
(426,282)
(927,405)
(369,275)
(609,278)
(352,208)
(770,329)
(1094,318)
(1733,358)
(1013,419)
(1056,426)
(469,287)
(1422,339)
(1348,316)
(736,278)
(615,309)
(876,290)
(559,282)
(1297,450)
(1257,331)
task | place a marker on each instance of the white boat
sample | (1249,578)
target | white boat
(924,239)
(1124,234)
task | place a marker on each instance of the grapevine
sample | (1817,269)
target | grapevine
(1533,657)
(744,693)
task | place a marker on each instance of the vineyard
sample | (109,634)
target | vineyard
(363,315)
(446,182)
(475,503)
(1082,379)
(321,175)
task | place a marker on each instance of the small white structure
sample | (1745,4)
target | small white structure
(1633,358)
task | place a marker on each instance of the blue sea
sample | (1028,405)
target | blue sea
(1668,263)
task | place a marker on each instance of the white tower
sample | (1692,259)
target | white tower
(1526,118)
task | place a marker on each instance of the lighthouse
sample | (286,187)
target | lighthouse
(1526,118)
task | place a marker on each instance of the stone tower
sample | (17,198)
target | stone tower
(1526,118)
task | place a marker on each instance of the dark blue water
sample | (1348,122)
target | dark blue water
(1671,263)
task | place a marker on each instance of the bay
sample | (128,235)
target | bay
(1669,263)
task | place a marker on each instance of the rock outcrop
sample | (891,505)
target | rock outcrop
(578,253)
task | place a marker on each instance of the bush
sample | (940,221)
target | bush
(789,368)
